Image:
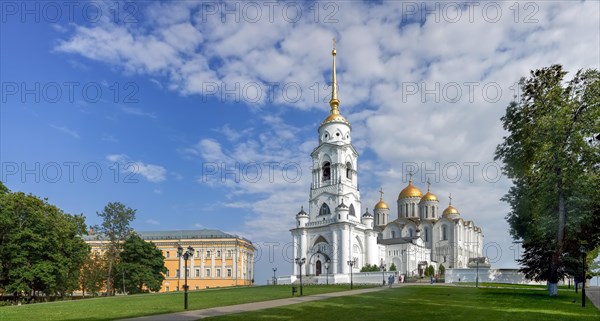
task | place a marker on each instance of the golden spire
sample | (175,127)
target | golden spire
(334,113)
(334,102)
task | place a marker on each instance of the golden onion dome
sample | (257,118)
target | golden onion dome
(450,210)
(429,196)
(381,205)
(335,118)
(410,191)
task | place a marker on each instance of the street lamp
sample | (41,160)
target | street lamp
(351,263)
(300,262)
(327,270)
(186,255)
(382,267)
(583,251)
(274,277)
(477,278)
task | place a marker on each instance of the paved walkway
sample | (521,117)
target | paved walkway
(247,307)
(593,293)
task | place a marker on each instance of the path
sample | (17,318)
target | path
(247,307)
(593,293)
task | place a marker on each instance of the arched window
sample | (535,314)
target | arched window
(348,170)
(324,209)
(412,209)
(393,234)
(406,210)
(326,171)
(426,234)
(410,232)
(433,211)
(444,233)
(352,211)
(426,212)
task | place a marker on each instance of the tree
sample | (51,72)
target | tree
(551,155)
(393,267)
(370,268)
(93,273)
(442,270)
(115,228)
(40,248)
(141,265)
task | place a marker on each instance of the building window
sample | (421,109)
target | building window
(167,288)
(197,272)
(167,275)
(208,253)
(352,211)
(393,234)
(410,232)
(207,273)
(433,211)
(197,287)
(444,234)
(177,273)
(228,273)
(219,253)
(326,171)
(324,209)
(218,273)
(228,253)
(405,210)
(348,170)
(197,253)
(412,209)
(167,254)
(426,234)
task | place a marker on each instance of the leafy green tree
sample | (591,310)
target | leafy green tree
(115,227)
(40,247)
(370,268)
(141,265)
(551,155)
(393,267)
(442,270)
(93,273)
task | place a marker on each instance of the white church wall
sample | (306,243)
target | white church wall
(512,276)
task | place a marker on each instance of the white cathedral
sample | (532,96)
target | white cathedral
(336,236)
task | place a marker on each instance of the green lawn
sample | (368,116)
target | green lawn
(436,303)
(99,309)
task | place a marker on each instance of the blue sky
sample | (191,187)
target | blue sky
(160,105)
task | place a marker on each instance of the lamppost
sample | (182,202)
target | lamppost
(274,277)
(382,267)
(477,278)
(186,255)
(327,270)
(300,262)
(351,263)
(583,251)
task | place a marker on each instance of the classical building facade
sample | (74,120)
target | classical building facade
(335,231)
(219,260)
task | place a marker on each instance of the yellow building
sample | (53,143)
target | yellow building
(219,259)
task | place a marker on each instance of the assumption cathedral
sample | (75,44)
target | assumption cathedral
(334,235)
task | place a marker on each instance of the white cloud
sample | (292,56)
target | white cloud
(153,173)
(397,83)
(152,222)
(66,130)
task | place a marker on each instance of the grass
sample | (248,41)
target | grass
(111,308)
(436,303)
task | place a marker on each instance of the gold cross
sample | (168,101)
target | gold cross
(380,193)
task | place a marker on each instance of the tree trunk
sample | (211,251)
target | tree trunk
(109,279)
(553,278)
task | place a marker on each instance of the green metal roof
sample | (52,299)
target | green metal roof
(177,235)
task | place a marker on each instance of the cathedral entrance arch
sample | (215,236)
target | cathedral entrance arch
(318,268)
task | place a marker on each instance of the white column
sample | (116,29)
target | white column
(295,254)
(335,254)
(303,249)
(345,251)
